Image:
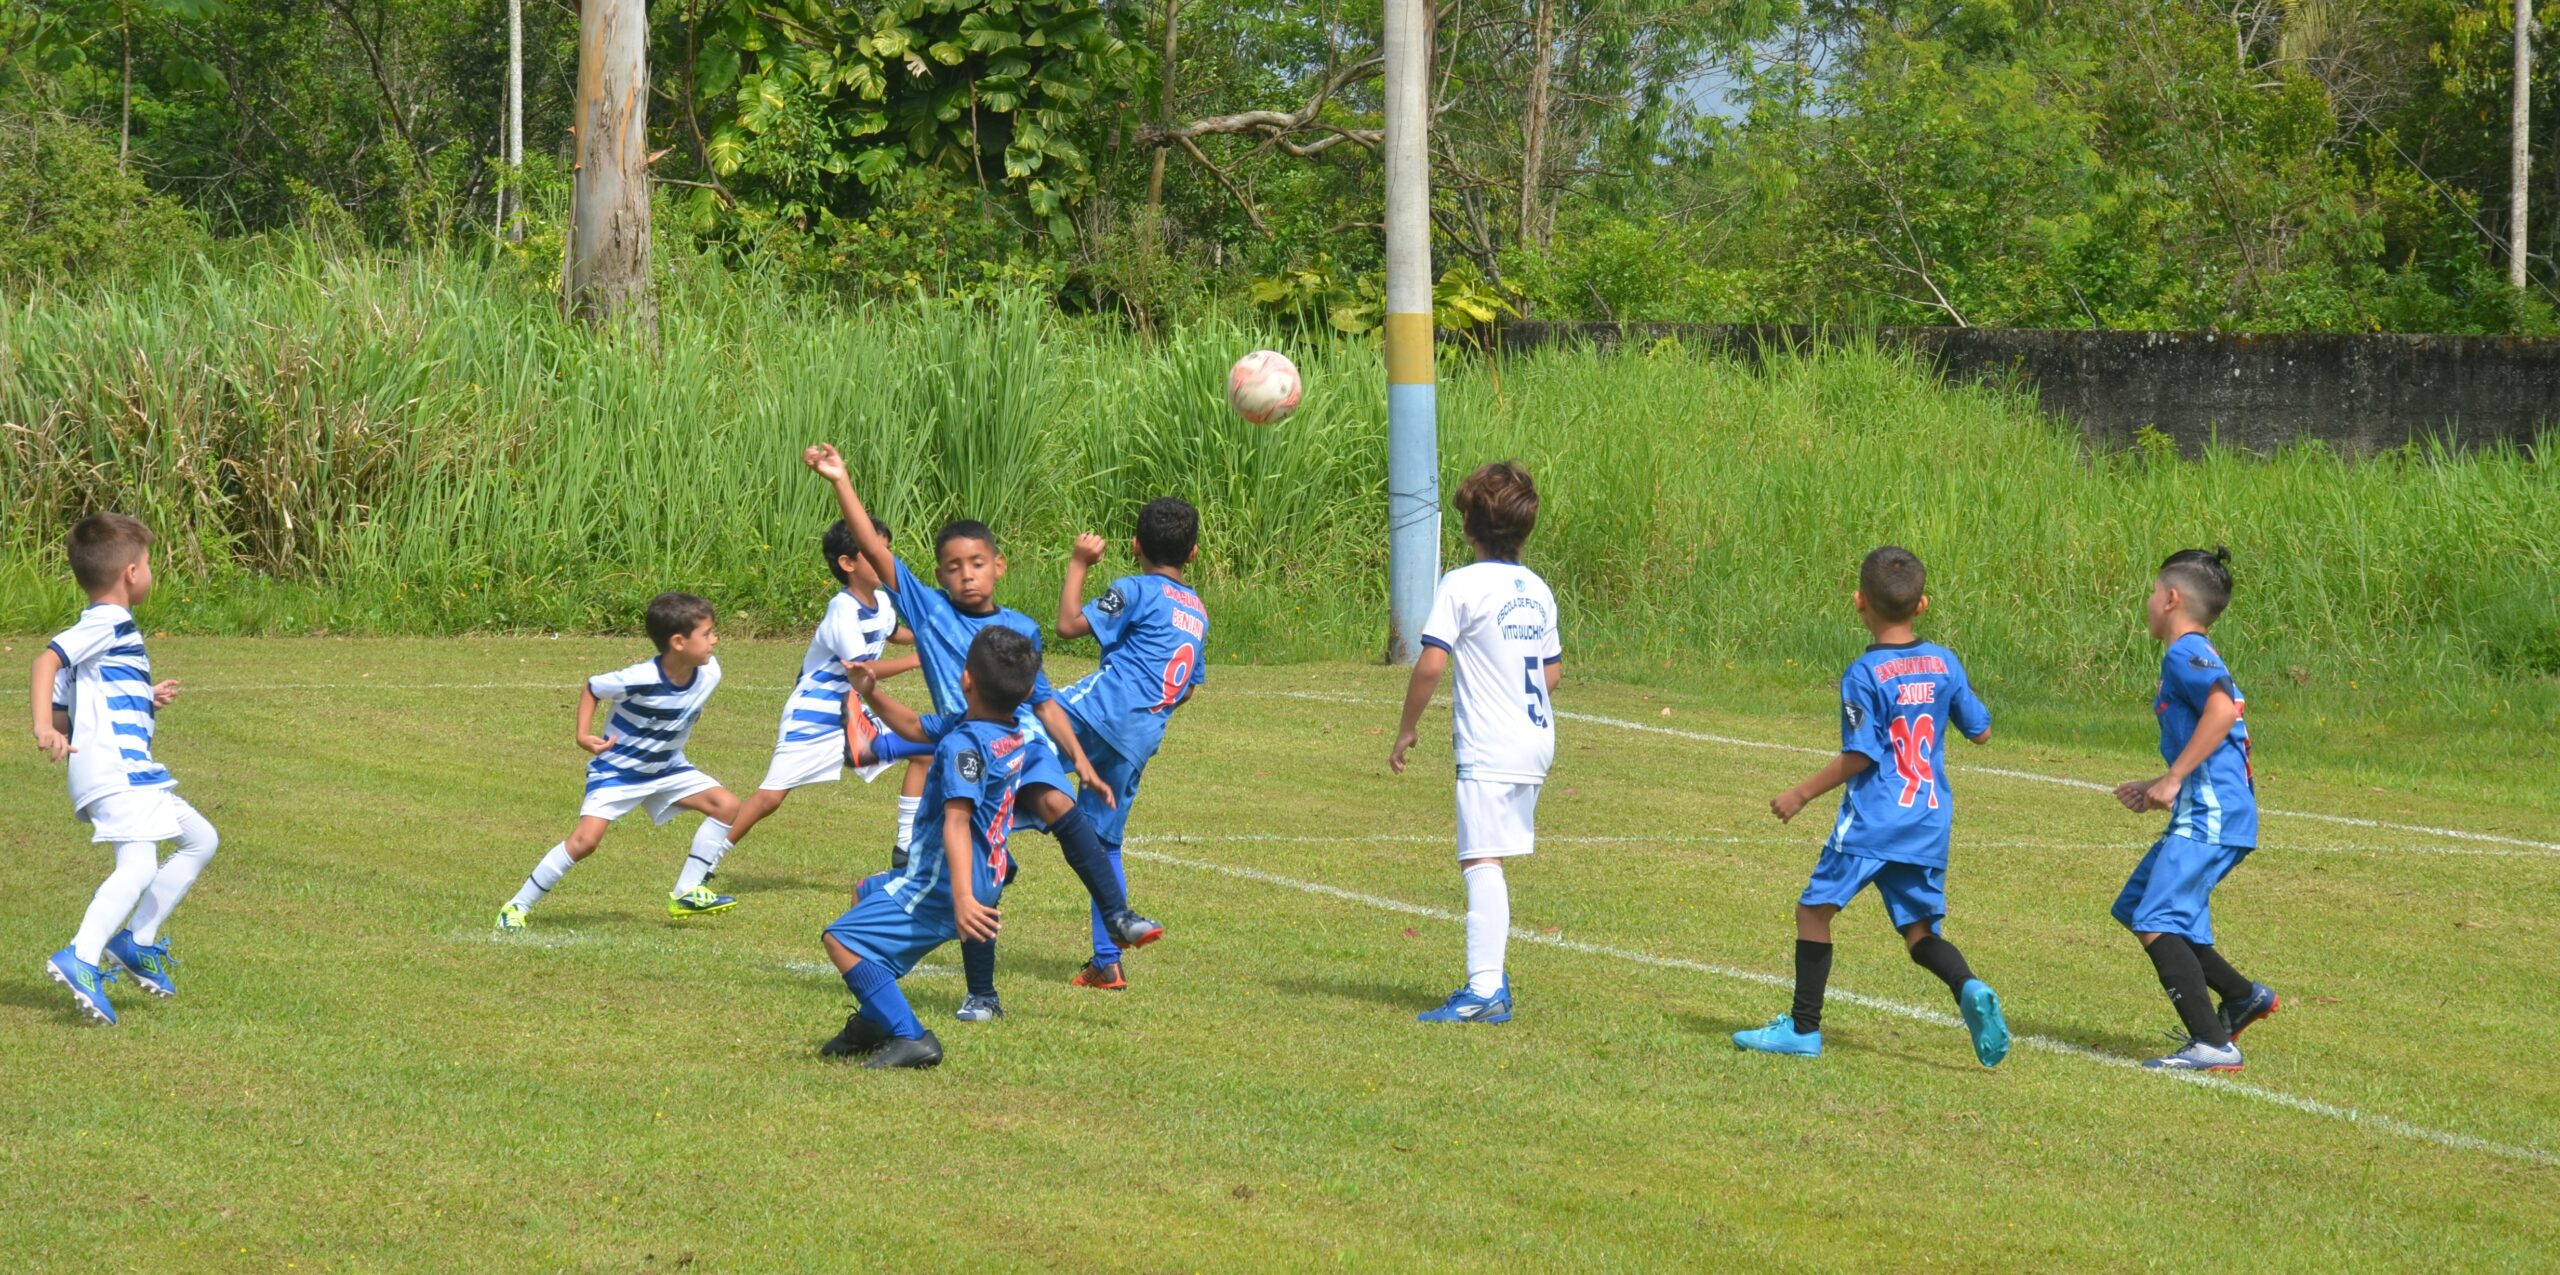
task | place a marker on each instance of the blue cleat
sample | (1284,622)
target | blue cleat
(152,967)
(1981,1008)
(979,1009)
(87,983)
(1464,1006)
(2198,1056)
(1781,1037)
(2262,1003)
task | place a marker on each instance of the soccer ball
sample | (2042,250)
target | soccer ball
(1263,387)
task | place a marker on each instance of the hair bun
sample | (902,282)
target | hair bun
(2221,556)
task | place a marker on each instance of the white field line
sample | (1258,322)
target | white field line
(2309,1106)
(1691,839)
(2539,848)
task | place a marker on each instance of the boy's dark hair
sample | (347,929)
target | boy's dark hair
(1894,582)
(101,546)
(2203,579)
(838,542)
(1002,665)
(964,529)
(1168,530)
(1500,505)
(674,614)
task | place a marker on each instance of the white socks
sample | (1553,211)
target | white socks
(546,874)
(710,843)
(1488,927)
(136,862)
(907,808)
(196,844)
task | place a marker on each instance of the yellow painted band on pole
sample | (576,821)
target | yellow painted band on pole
(1409,350)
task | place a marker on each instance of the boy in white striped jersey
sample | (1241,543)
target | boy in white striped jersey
(821,714)
(94,704)
(641,765)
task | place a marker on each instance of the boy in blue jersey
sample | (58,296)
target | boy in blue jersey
(956,867)
(638,762)
(945,620)
(1154,635)
(1898,702)
(94,706)
(2212,801)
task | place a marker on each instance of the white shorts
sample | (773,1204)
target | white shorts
(143,814)
(1496,819)
(658,796)
(814,761)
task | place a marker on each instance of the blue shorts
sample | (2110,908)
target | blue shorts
(1111,823)
(1912,893)
(2171,890)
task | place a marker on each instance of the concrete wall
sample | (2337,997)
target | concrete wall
(2359,393)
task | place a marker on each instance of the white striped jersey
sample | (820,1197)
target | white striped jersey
(649,720)
(105,685)
(851,632)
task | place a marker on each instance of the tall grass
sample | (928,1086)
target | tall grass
(341,444)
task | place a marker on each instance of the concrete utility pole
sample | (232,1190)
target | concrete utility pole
(511,142)
(2519,162)
(1413,426)
(607,273)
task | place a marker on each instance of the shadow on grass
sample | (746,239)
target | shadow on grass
(43,995)
(1405,996)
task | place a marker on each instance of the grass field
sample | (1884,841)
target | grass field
(357,1076)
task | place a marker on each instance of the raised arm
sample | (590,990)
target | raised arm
(52,729)
(829,463)
(1071,621)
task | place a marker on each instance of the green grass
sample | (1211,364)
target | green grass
(357,1077)
(332,444)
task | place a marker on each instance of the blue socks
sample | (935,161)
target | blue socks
(978,966)
(1094,865)
(888,747)
(1105,950)
(881,1001)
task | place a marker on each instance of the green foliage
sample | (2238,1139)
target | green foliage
(69,214)
(816,108)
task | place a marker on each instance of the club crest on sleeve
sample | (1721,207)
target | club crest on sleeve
(1855,716)
(972,766)
(1111,603)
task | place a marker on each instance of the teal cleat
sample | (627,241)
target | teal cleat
(1781,1037)
(1981,1008)
(88,984)
(152,967)
(1464,1006)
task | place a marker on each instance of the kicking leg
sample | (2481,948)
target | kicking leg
(1084,852)
(1974,998)
(2244,1000)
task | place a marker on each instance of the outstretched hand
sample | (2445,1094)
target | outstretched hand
(164,692)
(824,458)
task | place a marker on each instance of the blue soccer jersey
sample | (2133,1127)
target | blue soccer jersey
(1897,705)
(2218,804)
(1154,635)
(980,762)
(943,632)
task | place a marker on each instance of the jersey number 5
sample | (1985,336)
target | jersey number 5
(1913,737)
(1177,677)
(1537,692)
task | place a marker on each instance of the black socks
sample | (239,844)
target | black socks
(978,965)
(2182,977)
(1813,973)
(1083,848)
(1941,958)
(2231,985)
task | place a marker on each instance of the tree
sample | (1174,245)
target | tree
(607,274)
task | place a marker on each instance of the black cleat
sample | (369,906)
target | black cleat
(920,1053)
(1132,931)
(859,1037)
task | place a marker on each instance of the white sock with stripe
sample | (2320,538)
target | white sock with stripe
(710,845)
(546,874)
(1488,927)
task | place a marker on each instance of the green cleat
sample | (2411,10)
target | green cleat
(511,919)
(699,901)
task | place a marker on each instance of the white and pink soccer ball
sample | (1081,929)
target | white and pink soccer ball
(1263,387)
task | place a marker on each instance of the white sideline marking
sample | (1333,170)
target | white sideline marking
(2309,1106)
(2543,848)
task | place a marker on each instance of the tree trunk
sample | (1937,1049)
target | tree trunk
(2519,160)
(1164,110)
(606,278)
(511,138)
(1533,123)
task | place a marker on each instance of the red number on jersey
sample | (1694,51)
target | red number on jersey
(1177,676)
(1913,737)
